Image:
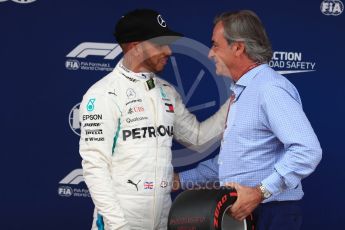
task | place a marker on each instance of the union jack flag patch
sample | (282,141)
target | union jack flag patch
(148,185)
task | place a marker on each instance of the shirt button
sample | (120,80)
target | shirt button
(220,162)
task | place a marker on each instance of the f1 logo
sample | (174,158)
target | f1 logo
(74,177)
(107,50)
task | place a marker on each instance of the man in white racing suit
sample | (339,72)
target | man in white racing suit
(128,120)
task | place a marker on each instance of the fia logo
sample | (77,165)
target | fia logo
(332,7)
(65,191)
(72,64)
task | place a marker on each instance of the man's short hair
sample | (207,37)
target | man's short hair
(245,26)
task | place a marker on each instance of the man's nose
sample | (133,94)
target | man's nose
(210,54)
(166,50)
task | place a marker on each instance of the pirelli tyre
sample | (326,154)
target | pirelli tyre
(205,209)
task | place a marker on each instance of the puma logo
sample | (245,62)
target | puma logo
(135,184)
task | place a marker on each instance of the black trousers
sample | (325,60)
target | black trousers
(278,215)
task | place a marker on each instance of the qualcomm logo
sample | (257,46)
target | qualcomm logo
(69,185)
(290,63)
(88,50)
(332,7)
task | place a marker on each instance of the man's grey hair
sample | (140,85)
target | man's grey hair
(245,26)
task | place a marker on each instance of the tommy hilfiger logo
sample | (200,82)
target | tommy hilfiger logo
(169,108)
(135,184)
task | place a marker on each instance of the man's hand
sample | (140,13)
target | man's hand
(248,199)
(176,182)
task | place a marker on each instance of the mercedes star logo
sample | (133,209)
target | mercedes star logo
(161,21)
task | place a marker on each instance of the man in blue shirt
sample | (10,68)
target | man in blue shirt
(268,144)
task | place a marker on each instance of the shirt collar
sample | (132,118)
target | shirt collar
(238,87)
(247,77)
(132,76)
(236,90)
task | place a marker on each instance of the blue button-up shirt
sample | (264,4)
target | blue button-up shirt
(268,138)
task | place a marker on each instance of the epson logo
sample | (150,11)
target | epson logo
(65,191)
(74,122)
(332,7)
(92,117)
(20,1)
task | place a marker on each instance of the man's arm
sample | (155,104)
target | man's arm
(193,134)
(205,174)
(99,122)
(284,116)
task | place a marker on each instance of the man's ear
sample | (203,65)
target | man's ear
(135,48)
(239,48)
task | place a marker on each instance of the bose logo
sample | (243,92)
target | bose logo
(20,1)
(107,50)
(74,177)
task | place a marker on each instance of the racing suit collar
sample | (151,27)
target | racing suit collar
(132,76)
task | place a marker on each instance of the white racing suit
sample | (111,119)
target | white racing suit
(127,126)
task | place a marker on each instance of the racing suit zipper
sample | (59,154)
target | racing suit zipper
(154,191)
